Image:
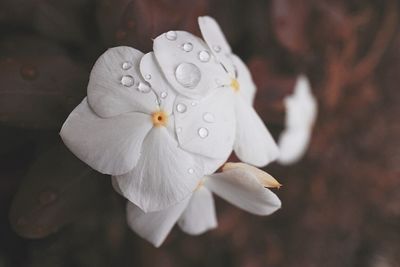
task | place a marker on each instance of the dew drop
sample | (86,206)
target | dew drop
(127,80)
(126,65)
(188,75)
(208,117)
(147,77)
(143,88)
(190,170)
(181,108)
(187,47)
(171,35)
(179,130)
(217,48)
(203,132)
(193,104)
(164,94)
(204,56)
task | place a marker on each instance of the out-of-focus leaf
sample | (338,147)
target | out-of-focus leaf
(289,19)
(40,83)
(66,21)
(57,189)
(137,22)
(272,88)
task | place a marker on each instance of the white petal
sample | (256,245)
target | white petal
(254,144)
(199,216)
(208,127)
(242,188)
(184,70)
(301,112)
(154,226)
(152,73)
(293,144)
(217,42)
(301,107)
(107,96)
(164,175)
(108,145)
(247,86)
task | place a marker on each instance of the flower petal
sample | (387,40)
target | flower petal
(217,42)
(154,226)
(207,127)
(242,188)
(301,107)
(254,144)
(199,216)
(107,95)
(180,61)
(247,86)
(263,177)
(164,175)
(292,145)
(110,146)
(152,73)
(301,112)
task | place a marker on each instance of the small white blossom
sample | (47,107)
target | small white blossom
(242,185)
(253,143)
(301,112)
(158,140)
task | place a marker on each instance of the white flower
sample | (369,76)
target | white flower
(158,131)
(240,184)
(253,143)
(301,112)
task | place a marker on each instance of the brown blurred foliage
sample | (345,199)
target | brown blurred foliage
(341,203)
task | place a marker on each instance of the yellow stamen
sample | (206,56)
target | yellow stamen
(159,118)
(263,178)
(235,85)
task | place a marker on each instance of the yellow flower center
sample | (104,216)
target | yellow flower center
(235,85)
(159,118)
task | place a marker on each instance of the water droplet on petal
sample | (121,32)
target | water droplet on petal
(126,65)
(171,35)
(217,48)
(204,56)
(147,77)
(203,132)
(218,82)
(127,80)
(143,88)
(164,94)
(190,170)
(208,117)
(181,108)
(188,75)
(187,47)
(193,104)
(179,130)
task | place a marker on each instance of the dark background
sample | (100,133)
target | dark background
(341,202)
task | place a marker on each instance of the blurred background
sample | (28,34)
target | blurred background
(341,202)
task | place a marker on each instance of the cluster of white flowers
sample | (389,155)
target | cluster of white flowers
(162,123)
